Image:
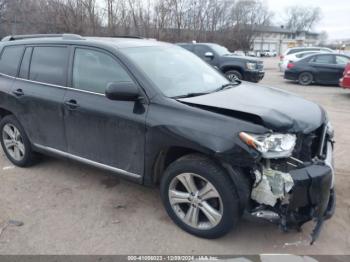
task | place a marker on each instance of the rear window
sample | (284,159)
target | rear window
(293,51)
(10,59)
(49,65)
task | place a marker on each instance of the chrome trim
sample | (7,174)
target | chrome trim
(52,85)
(323,140)
(89,162)
(329,161)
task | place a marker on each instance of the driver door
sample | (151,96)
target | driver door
(102,132)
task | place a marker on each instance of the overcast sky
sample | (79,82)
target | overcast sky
(336,14)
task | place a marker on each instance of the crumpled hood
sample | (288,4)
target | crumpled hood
(278,110)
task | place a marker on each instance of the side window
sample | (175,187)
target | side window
(188,47)
(49,65)
(24,71)
(341,60)
(323,59)
(93,70)
(201,50)
(10,59)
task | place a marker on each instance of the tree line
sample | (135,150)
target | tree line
(229,22)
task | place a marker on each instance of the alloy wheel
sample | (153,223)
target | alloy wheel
(232,77)
(195,201)
(13,142)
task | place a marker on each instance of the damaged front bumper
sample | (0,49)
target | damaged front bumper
(309,196)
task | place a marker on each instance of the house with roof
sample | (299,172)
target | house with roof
(279,38)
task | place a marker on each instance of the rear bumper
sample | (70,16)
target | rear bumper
(345,82)
(254,76)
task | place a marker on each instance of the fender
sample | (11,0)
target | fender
(194,130)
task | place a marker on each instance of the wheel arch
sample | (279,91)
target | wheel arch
(227,68)
(166,157)
(4,112)
(239,176)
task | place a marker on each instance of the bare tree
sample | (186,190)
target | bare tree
(302,19)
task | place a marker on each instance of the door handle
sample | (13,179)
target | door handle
(71,104)
(18,92)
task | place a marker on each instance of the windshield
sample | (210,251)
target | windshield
(220,50)
(175,71)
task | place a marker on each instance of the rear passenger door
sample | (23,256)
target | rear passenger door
(325,68)
(39,92)
(102,132)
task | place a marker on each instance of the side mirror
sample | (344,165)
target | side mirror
(122,91)
(209,55)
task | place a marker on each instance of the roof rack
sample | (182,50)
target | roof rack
(127,36)
(22,37)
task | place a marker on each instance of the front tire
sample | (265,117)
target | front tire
(15,142)
(305,78)
(233,75)
(199,197)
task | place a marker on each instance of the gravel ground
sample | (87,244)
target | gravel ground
(69,208)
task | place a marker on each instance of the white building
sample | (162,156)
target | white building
(278,39)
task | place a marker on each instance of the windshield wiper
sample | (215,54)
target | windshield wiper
(227,86)
(223,87)
(191,95)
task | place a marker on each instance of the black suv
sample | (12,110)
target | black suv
(233,66)
(158,115)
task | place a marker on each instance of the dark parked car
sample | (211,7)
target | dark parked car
(233,66)
(156,114)
(318,68)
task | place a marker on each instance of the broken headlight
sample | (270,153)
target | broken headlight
(273,145)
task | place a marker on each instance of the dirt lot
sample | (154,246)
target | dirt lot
(68,208)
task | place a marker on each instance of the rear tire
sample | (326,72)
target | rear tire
(305,78)
(210,215)
(15,142)
(233,75)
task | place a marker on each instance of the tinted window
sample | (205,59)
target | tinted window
(293,51)
(10,59)
(342,60)
(323,59)
(24,71)
(93,70)
(49,65)
(200,50)
(188,47)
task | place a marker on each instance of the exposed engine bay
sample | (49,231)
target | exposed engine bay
(291,192)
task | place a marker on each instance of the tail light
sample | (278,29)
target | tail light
(290,65)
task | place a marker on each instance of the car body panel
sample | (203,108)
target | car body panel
(273,106)
(345,81)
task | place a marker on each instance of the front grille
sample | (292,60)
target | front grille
(260,66)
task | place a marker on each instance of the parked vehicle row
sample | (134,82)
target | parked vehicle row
(233,66)
(284,58)
(158,115)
